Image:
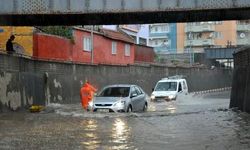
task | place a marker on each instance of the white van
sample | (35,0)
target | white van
(169,88)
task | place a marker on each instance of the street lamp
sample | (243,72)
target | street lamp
(190,44)
(190,48)
(92,46)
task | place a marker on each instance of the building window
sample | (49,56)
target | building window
(127,50)
(156,29)
(218,35)
(114,45)
(142,41)
(218,22)
(156,42)
(165,28)
(87,43)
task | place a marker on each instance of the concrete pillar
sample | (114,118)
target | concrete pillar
(246,103)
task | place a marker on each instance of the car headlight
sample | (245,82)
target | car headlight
(172,96)
(152,96)
(119,103)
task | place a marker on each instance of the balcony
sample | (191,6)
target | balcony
(245,41)
(200,28)
(199,42)
(243,27)
(158,34)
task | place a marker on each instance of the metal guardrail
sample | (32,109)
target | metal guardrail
(219,53)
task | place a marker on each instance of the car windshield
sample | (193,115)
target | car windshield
(115,92)
(166,86)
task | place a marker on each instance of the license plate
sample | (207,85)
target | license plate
(103,110)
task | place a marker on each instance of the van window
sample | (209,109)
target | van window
(180,87)
(166,86)
(184,85)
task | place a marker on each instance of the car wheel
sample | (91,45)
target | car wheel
(145,107)
(129,109)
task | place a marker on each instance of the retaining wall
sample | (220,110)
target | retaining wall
(24,81)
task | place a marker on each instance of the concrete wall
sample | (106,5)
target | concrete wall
(24,81)
(240,96)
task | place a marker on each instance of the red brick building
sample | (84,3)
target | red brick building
(110,47)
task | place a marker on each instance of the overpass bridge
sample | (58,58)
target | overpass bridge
(87,12)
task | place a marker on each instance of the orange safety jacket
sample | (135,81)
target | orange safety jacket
(87,93)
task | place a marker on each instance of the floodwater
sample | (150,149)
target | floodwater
(196,122)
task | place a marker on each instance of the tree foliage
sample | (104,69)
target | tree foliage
(63,31)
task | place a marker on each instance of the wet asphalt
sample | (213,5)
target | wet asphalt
(194,122)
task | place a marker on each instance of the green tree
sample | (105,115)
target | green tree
(63,31)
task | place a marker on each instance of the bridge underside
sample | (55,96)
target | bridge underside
(125,18)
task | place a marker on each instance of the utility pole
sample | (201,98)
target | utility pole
(190,44)
(92,45)
(190,53)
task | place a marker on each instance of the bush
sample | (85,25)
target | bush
(63,31)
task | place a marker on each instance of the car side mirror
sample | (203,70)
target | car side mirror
(133,95)
(153,89)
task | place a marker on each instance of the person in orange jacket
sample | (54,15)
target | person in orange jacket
(87,93)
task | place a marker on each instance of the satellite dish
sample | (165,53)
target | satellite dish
(242,35)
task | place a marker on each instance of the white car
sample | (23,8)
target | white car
(120,98)
(169,88)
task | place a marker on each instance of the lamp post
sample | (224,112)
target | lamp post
(190,44)
(92,45)
(190,53)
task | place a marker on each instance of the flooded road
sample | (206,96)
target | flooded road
(196,122)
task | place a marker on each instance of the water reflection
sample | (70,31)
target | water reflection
(162,106)
(120,134)
(90,137)
(171,108)
(151,107)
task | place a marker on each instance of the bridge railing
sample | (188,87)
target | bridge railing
(95,6)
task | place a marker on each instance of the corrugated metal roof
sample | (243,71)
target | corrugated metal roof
(112,34)
(116,35)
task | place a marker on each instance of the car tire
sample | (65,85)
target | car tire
(145,107)
(129,110)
